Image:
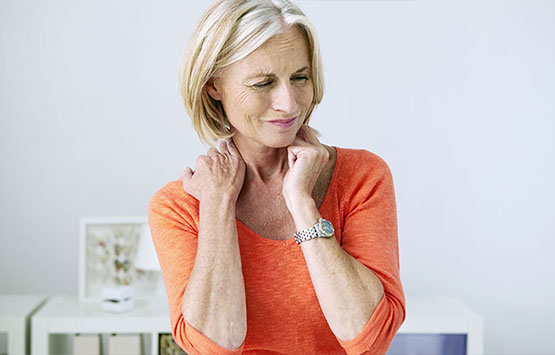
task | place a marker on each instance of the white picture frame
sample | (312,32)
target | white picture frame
(107,249)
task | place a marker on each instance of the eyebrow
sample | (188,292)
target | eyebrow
(265,74)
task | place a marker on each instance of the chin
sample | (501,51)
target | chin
(278,144)
(280,141)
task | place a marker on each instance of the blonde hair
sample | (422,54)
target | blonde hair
(228,31)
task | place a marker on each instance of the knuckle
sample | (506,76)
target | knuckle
(326,154)
(203,160)
(221,158)
(235,160)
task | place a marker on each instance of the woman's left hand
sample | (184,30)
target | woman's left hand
(307,157)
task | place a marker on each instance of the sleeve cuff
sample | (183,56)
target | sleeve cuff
(371,331)
(205,345)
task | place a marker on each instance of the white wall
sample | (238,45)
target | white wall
(458,98)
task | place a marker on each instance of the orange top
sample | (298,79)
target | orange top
(283,313)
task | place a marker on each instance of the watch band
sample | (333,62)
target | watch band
(306,234)
(315,231)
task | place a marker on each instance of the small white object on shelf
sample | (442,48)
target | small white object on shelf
(117,298)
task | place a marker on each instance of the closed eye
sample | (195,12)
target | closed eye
(301,78)
(262,85)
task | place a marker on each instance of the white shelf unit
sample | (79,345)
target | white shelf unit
(444,316)
(15,312)
(66,315)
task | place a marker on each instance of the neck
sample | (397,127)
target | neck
(263,164)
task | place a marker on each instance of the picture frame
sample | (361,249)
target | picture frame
(107,250)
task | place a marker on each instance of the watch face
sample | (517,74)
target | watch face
(327,228)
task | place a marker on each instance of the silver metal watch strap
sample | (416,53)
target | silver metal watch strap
(306,234)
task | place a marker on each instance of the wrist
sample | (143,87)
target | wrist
(297,199)
(304,212)
(221,196)
(219,201)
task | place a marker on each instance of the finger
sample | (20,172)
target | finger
(186,178)
(223,147)
(233,148)
(212,152)
(201,160)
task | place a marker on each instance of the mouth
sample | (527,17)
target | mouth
(284,123)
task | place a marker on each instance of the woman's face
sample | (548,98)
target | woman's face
(266,95)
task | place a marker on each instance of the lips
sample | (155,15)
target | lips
(288,120)
(286,123)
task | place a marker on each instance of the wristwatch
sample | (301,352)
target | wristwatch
(322,228)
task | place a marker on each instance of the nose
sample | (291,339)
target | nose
(284,99)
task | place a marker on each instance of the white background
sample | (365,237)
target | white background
(456,96)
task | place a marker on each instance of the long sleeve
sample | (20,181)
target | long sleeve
(173,219)
(369,234)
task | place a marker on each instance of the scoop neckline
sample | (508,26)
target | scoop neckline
(326,198)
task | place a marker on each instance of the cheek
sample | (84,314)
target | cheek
(243,100)
(257,105)
(239,105)
(248,109)
(306,94)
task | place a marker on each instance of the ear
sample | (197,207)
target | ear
(213,90)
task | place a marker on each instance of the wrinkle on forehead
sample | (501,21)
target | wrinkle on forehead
(287,38)
(280,50)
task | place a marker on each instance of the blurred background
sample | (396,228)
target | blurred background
(456,96)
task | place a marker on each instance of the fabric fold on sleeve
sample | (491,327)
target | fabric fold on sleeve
(367,341)
(204,345)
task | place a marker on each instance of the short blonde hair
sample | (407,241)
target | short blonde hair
(228,31)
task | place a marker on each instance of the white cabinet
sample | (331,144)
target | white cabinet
(65,315)
(442,326)
(15,312)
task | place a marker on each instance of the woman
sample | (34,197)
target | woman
(275,243)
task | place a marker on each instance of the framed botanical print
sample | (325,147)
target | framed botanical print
(107,251)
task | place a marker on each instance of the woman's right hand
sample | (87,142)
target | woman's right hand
(217,174)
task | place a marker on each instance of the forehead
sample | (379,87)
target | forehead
(283,53)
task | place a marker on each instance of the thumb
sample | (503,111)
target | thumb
(291,156)
(187,173)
